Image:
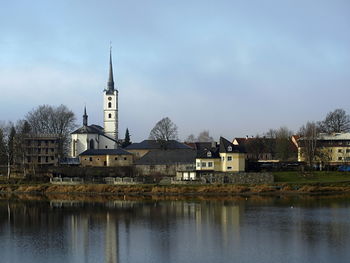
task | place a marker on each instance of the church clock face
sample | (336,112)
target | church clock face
(109,98)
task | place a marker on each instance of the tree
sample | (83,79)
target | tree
(164,130)
(309,134)
(127,141)
(191,138)
(283,144)
(204,137)
(7,140)
(335,121)
(256,147)
(47,119)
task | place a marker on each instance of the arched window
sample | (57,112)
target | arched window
(109,104)
(109,115)
(92,145)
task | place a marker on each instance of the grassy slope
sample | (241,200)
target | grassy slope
(312,177)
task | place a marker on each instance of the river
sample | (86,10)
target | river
(251,229)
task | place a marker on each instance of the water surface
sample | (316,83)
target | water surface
(242,229)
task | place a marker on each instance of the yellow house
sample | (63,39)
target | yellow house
(106,157)
(225,158)
(331,149)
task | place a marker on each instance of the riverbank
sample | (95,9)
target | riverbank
(139,190)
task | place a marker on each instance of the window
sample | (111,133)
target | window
(47,159)
(125,158)
(90,159)
(52,158)
(210,164)
(198,164)
(109,104)
(340,158)
(39,159)
(229,148)
(116,158)
(204,164)
(208,154)
(229,168)
(347,150)
(106,146)
(223,158)
(340,150)
(229,158)
(109,115)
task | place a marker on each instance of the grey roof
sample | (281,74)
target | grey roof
(105,152)
(224,145)
(204,153)
(90,129)
(168,157)
(153,145)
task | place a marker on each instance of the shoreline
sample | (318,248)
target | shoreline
(176,190)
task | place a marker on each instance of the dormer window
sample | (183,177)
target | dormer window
(229,148)
(208,154)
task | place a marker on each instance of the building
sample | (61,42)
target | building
(331,149)
(41,150)
(106,157)
(94,136)
(166,162)
(146,146)
(226,157)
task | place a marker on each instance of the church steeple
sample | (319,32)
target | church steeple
(110,84)
(85,118)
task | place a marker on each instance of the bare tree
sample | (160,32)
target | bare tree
(256,147)
(204,137)
(284,150)
(7,139)
(191,138)
(335,121)
(47,119)
(164,130)
(309,135)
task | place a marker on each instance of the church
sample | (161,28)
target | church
(94,136)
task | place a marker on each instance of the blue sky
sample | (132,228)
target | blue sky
(234,68)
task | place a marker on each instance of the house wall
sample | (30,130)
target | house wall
(161,169)
(93,160)
(119,160)
(202,164)
(333,155)
(236,164)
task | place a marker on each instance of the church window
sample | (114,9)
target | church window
(90,159)
(109,115)
(106,146)
(109,104)
(92,145)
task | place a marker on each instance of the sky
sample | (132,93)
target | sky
(232,67)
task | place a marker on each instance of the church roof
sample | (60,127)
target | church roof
(153,145)
(105,152)
(90,129)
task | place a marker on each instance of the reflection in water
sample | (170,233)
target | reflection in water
(259,229)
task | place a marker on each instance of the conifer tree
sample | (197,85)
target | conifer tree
(127,141)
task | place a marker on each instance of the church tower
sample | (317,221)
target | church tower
(110,105)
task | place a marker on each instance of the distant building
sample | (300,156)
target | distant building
(332,149)
(94,136)
(106,157)
(41,150)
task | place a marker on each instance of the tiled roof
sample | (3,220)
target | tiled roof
(105,152)
(176,156)
(153,145)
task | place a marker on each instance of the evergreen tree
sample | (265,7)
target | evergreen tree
(127,141)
